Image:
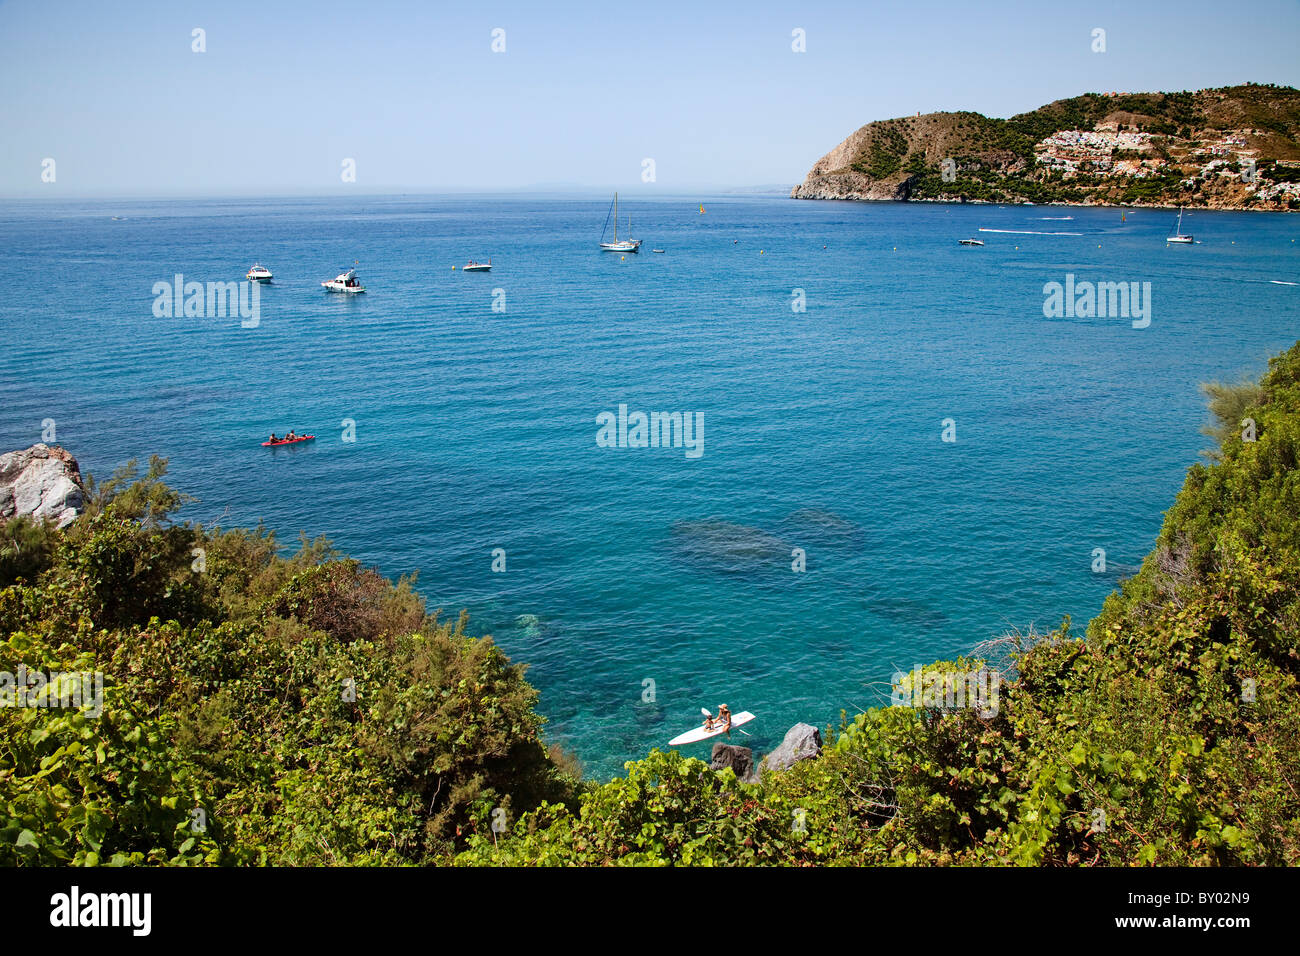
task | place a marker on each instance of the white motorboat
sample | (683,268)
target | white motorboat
(345,282)
(971,242)
(618,245)
(259,273)
(473,266)
(1178,231)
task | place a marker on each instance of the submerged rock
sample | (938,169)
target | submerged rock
(529,625)
(739,759)
(726,547)
(802,742)
(43,482)
(820,530)
(913,613)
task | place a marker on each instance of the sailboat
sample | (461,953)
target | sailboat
(624,245)
(1178,230)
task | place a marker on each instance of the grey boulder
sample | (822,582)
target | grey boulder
(43,482)
(802,742)
(739,759)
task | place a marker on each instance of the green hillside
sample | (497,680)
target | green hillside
(1185,157)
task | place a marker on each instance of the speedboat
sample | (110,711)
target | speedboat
(477,266)
(259,273)
(345,282)
(971,242)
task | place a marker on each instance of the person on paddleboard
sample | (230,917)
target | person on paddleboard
(723,720)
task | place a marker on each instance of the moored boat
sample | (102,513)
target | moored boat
(623,245)
(473,266)
(345,282)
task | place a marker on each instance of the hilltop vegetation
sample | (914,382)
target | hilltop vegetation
(998,160)
(316,714)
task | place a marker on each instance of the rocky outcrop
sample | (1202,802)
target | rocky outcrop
(43,482)
(850,184)
(802,742)
(873,161)
(739,759)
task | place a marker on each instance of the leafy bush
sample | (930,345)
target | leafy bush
(304,710)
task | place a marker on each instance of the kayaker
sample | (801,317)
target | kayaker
(291,436)
(273,439)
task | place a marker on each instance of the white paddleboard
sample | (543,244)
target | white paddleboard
(699,733)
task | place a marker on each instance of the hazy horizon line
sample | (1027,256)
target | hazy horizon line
(638,191)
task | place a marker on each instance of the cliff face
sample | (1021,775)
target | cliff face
(1232,148)
(887,158)
(43,482)
(850,185)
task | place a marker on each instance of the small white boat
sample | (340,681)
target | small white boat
(473,266)
(971,242)
(1178,231)
(345,282)
(259,273)
(623,245)
(656,250)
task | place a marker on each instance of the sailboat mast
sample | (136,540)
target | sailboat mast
(616,217)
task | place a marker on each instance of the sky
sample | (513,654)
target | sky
(581,96)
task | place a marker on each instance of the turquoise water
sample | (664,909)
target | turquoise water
(476,429)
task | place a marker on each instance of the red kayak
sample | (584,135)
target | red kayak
(290,441)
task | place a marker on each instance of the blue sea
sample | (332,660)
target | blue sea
(641,584)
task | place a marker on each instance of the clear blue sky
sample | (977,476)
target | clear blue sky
(710,89)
